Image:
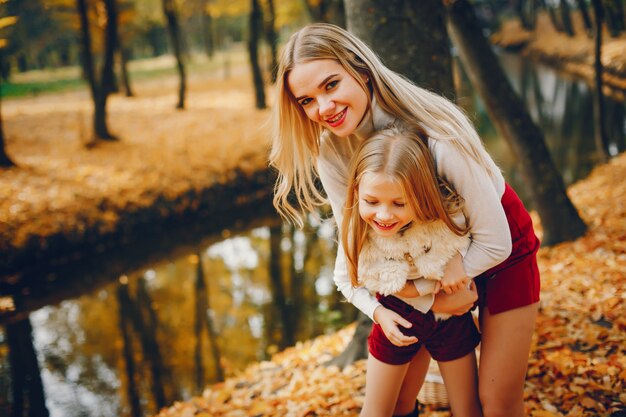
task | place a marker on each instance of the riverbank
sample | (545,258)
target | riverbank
(572,55)
(577,365)
(65,202)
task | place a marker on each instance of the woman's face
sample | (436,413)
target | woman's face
(329,95)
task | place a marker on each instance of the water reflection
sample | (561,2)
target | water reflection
(151,337)
(563,109)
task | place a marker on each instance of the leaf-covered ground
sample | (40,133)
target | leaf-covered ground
(578,361)
(574,55)
(61,189)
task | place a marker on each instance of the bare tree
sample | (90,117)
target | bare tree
(5,160)
(254,31)
(272,38)
(598,97)
(100,89)
(173,27)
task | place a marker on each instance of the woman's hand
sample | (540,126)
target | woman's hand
(457,303)
(389,322)
(454,276)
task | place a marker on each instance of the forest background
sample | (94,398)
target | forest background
(126,118)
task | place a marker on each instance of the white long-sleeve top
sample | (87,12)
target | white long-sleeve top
(489,231)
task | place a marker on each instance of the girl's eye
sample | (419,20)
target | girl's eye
(305,101)
(332,84)
(399,204)
(370,202)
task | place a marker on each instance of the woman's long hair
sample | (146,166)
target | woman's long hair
(296,139)
(403,156)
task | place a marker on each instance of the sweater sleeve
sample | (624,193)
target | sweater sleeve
(332,173)
(489,229)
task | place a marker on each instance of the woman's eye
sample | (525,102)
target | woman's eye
(370,202)
(332,84)
(305,101)
(399,204)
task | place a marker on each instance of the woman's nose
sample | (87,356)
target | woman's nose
(326,107)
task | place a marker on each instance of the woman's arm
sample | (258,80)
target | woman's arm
(489,229)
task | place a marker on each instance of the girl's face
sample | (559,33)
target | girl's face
(329,95)
(383,205)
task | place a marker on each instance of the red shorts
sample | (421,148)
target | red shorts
(515,282)
(445,340)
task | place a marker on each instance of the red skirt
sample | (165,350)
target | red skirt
(515,282)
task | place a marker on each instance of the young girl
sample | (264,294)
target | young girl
(332,91)
(399,225)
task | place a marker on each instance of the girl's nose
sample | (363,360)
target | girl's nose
(384,214)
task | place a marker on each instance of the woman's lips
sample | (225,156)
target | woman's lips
(337,119)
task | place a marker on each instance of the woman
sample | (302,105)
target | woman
(332,92)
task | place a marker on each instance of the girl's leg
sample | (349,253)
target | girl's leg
(382,386)
(505,346)
(413,381)
(461,380)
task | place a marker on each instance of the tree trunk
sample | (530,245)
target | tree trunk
(272,38)
(128,91)
(527,13)
(357,348)
(5,160)
(254,30)
(85,48)
(28,394)
(598,97)
(207,29)
(410,37)
(329,11)
(584,12)
(558,25)
(566,17)
(99,93)
(560,219)
(614,11)
(175,37)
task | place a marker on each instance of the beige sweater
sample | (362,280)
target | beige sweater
(489,232)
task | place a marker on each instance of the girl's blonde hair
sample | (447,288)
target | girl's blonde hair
(403,156)
(296,139)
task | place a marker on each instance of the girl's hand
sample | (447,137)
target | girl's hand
(458,303)
(408,291)
(454,276)
(389,322)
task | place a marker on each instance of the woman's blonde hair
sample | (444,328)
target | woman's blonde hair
(404,157)
(296,139)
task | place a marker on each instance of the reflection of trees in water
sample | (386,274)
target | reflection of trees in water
(26,384)
(144,322)
(203,320)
